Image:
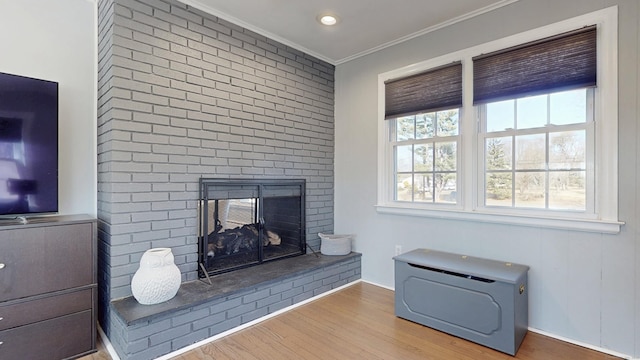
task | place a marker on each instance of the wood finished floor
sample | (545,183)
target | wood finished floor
(359,323)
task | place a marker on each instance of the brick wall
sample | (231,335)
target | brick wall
(183,94)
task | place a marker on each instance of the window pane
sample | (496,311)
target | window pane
(530,152)
(423,188)
(568,107)
(567,150)
(446,188)
(532,112)
(425,126)
(498,192)
(423,158)
(404,158)
(498,153)
(530,189)
(500,115)
(405,128)
(404,187)
(446,156)
(448,123)
(567,190)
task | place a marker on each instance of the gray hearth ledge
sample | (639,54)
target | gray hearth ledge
(194,293)
(200,311)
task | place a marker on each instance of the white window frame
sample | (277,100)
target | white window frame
(605,219)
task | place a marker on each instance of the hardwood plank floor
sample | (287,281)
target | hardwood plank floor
(359,323)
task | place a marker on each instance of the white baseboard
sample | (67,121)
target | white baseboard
(107,344)
(585,345)
(378,285)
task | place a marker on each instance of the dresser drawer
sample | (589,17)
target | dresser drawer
(28,312)
(38,260)
(55,339)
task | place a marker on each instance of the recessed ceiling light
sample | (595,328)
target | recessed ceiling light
(327,19)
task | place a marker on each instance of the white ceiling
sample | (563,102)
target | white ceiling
(364,27)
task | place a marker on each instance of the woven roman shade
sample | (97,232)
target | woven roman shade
(562,62)
(436,89)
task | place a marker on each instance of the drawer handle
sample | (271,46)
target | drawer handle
(2,266)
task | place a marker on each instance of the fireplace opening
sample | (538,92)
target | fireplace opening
(249,222)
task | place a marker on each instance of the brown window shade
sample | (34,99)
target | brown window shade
(563,62)
(436,89)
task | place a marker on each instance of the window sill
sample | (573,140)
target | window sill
(587,225)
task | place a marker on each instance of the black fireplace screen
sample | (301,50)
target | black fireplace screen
(248,222)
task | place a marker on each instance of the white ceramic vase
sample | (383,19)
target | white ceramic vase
(157,279)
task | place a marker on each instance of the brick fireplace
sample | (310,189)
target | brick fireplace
(247,222)
(185,95)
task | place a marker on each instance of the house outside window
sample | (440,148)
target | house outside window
(535,146)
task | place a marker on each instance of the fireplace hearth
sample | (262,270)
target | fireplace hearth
(246,222)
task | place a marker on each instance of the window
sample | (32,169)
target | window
(426,157)
(423,115)
(533,140)
(536,150)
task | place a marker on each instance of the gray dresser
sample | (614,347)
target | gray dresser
(48,288)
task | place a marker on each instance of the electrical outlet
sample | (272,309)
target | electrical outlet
(398,250)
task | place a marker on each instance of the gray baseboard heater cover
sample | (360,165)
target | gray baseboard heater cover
(481,300)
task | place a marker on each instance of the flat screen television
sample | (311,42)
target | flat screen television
(28,146)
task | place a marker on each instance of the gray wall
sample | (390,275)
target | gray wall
(182,95)
(583,286)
